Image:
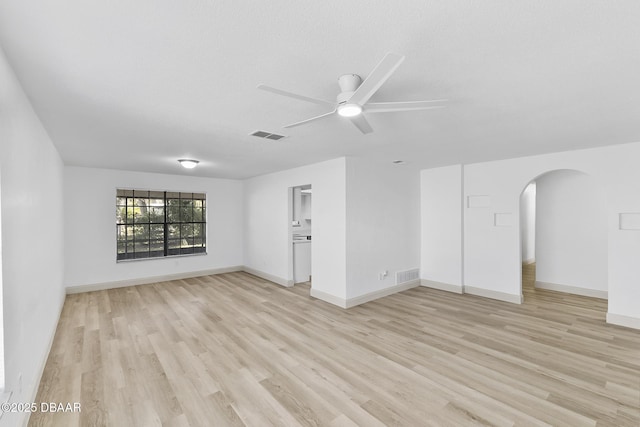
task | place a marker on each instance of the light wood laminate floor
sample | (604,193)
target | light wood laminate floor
(234,349)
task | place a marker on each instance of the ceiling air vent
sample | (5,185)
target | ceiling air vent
(267,135)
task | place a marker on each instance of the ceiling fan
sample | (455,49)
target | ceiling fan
(352,102)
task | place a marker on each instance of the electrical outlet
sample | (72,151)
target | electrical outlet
(383,275)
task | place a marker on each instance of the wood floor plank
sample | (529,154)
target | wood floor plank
(235,349)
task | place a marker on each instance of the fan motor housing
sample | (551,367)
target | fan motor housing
(349,82)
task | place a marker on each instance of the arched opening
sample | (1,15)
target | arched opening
(563,235)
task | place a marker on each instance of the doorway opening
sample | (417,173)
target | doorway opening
(2,396)
(528,238)
(563,235)
(300,234)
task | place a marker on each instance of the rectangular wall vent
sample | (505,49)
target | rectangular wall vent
(267,135)
(407,276)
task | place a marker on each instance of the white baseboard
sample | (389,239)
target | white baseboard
(622,320)
(572,290)
(529,261)
(501,296)
(361,299)
(441,286)
(43,363)
(352,302)
(270,277)
(153,279)
(331,299)
(516,299)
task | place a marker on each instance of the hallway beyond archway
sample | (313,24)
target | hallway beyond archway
(563,234)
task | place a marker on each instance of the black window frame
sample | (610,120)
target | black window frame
(154,224)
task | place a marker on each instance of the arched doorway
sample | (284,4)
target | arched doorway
(563,234)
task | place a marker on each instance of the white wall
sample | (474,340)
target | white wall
(528,224)
(266,224)
(90,231)
(383,223)
(492,254)
(572,232)
(441,225)
(32,240)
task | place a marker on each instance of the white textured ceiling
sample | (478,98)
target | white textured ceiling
(138,84)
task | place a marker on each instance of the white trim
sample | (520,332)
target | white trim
(270,277)
(622,320)
(43,363)
(331,299)
(352,302)
(572,290)
(487,293)
(441,286)
(146,280)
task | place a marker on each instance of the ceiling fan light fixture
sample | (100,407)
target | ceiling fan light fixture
(188,163)
(353,100)
(349,110)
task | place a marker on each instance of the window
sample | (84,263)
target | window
(151,224)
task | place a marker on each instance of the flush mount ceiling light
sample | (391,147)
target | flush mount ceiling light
(349,110)
(188,163)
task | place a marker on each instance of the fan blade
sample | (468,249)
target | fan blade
(310,120)
(295,95)
(361,123)
(378,76)
(389,107)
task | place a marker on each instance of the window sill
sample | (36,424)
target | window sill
(159,257)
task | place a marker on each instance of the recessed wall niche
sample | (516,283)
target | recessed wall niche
(629,221)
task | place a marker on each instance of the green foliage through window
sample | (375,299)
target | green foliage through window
(153,224)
